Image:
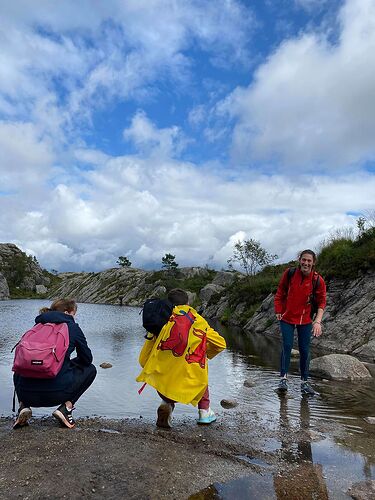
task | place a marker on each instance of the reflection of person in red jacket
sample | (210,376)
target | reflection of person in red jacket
(293,308)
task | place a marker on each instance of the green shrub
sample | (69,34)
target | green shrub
(344,257)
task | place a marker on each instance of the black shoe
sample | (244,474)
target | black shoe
(283,385)
(165,416)
(307,389)
(22,418)
(64,416)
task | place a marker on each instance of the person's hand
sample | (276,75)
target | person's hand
(317,329)
(278,317)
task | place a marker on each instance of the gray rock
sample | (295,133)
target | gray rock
(371,368)
(228,403)
(249,382)
(366,351)
(295,353)
(339,367)
(11,259)
(224,278)
(208,291)
(4,288)
(364,490)
(369,420)
(41,289)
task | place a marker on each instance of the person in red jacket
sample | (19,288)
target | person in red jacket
(293,302)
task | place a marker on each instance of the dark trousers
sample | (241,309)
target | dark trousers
(304,337)
(83,377)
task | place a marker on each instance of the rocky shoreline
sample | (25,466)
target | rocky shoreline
(133,459)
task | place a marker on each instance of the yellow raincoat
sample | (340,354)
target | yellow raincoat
(175,362)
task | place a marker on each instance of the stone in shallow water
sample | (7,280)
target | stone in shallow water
(105,365)
(294,353)
(249,382)
(339,367)
(369,420)
(228,403)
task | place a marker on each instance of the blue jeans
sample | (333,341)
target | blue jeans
(304,337)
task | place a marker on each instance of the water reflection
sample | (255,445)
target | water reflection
(306,480)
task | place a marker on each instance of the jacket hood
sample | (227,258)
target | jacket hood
(54,317)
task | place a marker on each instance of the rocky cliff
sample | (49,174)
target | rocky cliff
(20,271)
(129,286)
(348,322)
(114,286)
(4,288)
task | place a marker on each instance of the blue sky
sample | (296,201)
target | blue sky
(141,127)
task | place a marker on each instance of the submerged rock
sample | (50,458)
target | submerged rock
(228,403)
(294,353)
(105,365)
(249,382)
(339,367)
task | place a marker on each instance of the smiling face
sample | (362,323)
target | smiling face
(306,262)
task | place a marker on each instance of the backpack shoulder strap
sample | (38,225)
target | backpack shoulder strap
(291,272)
(316,281)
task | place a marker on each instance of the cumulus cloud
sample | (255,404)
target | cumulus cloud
(144,207)
(312,102)
(78,203)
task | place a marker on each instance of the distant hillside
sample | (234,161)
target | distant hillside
(20,274)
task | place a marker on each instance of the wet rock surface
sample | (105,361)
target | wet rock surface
(363,491)
(228,403)
(339,367)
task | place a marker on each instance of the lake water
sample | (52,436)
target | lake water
(115,335)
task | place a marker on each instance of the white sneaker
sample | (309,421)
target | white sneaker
(165,416)
(206,416)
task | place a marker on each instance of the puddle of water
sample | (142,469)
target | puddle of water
(253,487)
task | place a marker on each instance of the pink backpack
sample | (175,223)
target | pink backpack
(41,351)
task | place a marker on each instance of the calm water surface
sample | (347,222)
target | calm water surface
(115,335)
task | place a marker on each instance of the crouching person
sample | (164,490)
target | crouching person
(74,376)
(175,361)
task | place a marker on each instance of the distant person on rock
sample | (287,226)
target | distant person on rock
(299,305)
(75,375)
(175,361)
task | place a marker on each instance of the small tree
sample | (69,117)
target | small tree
(168,262)
(123,261)
(250,256)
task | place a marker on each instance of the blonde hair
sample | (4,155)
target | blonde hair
(61,305)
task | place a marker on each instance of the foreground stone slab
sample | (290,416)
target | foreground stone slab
(363,491)
(339,367)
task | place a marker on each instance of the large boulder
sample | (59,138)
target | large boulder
(224,278)
(4,288)
(339,367)
(208,291)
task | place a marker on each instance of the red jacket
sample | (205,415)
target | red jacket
(292,299)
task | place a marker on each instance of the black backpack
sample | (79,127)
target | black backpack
(316,278)
(155,314)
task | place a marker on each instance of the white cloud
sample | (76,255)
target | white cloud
(25,156)
(146,207)
(312,102)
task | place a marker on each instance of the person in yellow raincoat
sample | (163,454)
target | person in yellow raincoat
(175,361)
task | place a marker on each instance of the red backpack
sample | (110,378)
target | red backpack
(41,351)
